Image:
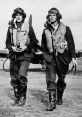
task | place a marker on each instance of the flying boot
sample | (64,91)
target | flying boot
(23,91)
(17,95)
(52,101)
(60,91)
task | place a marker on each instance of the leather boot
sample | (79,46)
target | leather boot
(17,95)
(60,91)
(49,101)
(52,101)
(59,97)
(23,91)
(61,85)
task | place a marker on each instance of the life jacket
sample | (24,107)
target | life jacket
(56,38)
(20,36)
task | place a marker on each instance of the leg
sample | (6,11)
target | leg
(51,85)
(16,93)
(14,71)
(23,81)
(61,85)
(23,90)
(14,81)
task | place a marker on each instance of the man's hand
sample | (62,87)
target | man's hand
(14,48)
(74,61)
(24,47)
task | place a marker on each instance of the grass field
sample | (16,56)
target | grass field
(37,97)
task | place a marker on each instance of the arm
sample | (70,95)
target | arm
(8,41)
(46,42)
(70,41)
(71,45)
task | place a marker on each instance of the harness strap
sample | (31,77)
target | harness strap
(9,55)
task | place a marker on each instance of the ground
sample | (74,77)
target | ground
(37,97)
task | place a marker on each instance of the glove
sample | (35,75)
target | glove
(74,61)
(24,47)
(50,51)
(14,48)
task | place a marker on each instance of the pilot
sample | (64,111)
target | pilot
(58,50)
(20,41)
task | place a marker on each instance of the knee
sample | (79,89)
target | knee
(61,84)
(23,80)
(15,83)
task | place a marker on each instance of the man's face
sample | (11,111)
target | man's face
(19,17)
(53,18)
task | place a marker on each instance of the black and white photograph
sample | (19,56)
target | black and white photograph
(40,58)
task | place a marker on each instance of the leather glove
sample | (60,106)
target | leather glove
(14,48)
(24,47)
(74,61)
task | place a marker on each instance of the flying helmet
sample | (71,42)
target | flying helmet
(19,10)
(54,11)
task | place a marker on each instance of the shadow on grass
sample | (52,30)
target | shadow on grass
(36,70)
(10,93)
(40,96)
(30,70)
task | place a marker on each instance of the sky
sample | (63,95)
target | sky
(71,11)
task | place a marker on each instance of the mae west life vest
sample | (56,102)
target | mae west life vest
(20,36)
(56,39)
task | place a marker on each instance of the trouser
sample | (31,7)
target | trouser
(18,73)
(51,76)
(61,85)
(52,69)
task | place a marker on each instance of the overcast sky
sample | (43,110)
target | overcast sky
(71,11)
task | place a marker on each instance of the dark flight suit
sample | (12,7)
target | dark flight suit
(19,63)
(58,65)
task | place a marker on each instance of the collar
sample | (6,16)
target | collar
(55,26)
